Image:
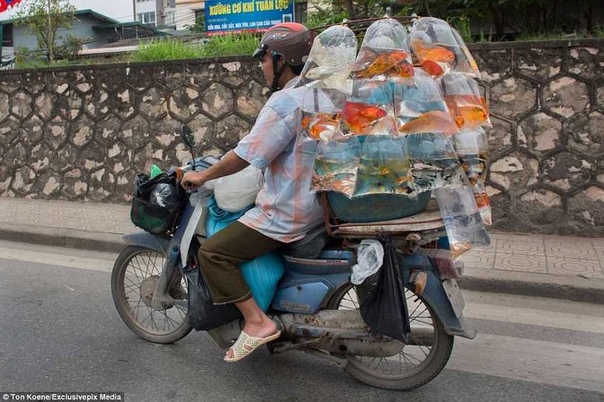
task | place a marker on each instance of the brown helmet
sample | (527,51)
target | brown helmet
(290,40)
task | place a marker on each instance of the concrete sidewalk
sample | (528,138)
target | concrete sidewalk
(536,265)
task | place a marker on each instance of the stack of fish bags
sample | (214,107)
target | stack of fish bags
(384,125)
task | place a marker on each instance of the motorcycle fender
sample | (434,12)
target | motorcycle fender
(148,240)
(435,296)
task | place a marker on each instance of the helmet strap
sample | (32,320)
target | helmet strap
(277,73)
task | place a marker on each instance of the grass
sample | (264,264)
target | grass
(216,46)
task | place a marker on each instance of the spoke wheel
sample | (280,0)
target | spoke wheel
(133,279)
(416,363)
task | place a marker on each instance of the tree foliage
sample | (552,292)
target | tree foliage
(45,18)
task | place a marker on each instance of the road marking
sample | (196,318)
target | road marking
(575,322)
(530,360)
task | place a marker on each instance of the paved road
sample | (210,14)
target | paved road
(60,332)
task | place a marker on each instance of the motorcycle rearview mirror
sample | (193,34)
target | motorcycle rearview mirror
(187,135)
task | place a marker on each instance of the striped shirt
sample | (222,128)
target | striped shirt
(286,209)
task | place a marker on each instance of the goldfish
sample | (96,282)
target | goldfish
(482,200)
(318,124)
(387,63)
(459,247)
(432,52)
(429,122)
(471,116)
(434,68)
(360,115)
(404,70)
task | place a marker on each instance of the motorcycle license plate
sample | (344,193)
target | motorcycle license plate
(454,295)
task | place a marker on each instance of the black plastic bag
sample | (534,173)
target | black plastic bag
(156,202)
(382,298)
(203,314)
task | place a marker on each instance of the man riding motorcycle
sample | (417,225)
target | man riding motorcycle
(285,208)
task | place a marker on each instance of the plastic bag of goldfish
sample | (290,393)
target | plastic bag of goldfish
(404,115)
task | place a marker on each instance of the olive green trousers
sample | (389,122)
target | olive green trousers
(220,256)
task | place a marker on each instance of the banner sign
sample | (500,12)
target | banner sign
(6,4)
(230,16)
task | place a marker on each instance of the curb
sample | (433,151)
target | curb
(62,237)
(477,279)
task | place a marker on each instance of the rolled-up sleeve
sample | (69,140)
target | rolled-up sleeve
(267,139)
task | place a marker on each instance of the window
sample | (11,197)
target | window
(146,18)
(170,18)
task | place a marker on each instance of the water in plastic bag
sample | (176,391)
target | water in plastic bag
(330,60)
(336,165)
(434,163)
(322,114)
(471,146)
(419,107)
(439,48)
(384,52)
(466,104)
(462,219)
(384,166)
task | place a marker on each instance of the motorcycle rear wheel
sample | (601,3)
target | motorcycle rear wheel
(408,369)
(133,279)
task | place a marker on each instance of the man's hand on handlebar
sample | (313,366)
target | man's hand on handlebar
(191,181)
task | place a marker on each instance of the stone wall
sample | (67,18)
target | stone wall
(83,133)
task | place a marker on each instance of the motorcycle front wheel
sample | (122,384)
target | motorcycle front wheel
(417,363)
(133,279)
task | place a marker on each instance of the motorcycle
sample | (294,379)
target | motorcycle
(315,304)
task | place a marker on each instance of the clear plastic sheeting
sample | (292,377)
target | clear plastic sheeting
(370,257)
(330,60)
(384,52)
(465,102)
(439,48)
(462,219)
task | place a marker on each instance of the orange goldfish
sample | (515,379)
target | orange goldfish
(404,70)
(360,115)
(460,247)
(434,68)
(434,121)
(482,200)
(319,123)
(470,116)
(385,63)
(432,52)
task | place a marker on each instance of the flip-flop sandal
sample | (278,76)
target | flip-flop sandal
(246,344)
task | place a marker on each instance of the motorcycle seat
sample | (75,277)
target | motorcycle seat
(310,246)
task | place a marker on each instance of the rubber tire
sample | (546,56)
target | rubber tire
(438,357)
(121,304)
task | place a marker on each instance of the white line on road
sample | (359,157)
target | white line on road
(575,322)
(529,360)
